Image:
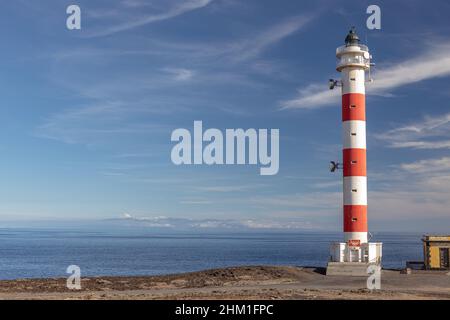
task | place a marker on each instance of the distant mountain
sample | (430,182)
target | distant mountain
(208,224)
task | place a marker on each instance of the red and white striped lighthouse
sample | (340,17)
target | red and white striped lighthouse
(354,60)
(353,63)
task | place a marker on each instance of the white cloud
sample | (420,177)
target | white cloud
(180,8)
(434,63)
(180,74)
(418,190)
(196,202)
(253,46)
(243,49)
(329,201)
(429,175)
(95,123)
(229,188)
(328,184)
(428,165)
(429,133)
(186,223)
(407,205)
(312,97)
(265,224)
(120,100)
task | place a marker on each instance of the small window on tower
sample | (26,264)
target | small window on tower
(354,162)
(354,190)
(354,219)
(353,79)
(352,106)
(353,133)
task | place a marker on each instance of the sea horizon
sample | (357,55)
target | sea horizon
(46,252)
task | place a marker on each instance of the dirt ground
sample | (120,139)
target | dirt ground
(254,282)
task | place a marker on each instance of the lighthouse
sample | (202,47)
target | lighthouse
(353,62)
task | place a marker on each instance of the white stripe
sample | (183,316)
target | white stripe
(361,236)
(353,81)
(355,190)
(354,134)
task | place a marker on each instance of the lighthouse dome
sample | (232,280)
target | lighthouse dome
(352,38)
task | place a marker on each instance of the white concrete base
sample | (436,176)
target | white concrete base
(351,269)
(363,253)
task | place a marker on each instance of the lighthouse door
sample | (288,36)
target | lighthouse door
(444,257)
(354,255)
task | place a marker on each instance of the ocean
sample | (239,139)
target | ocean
(41,252)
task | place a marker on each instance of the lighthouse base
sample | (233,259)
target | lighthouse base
(350,260)
(352,269)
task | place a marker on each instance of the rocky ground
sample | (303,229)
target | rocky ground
(254,282)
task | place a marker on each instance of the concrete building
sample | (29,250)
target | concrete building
(436,252)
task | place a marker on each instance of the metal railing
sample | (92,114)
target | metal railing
(361,47)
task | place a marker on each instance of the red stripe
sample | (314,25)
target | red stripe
(355,218)
(354,162)
(353,106)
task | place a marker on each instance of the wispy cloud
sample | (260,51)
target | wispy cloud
(196,201)
(434,63)
(305,201)
(312,97)
(181,7)
(329,184)
(118,100)
(428,166)
(234,50)
(242,49)
(252,47)
(180,74)
(424,186)
(429,133)
(94,123)
(233,188)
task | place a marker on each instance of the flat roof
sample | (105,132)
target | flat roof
(436,238)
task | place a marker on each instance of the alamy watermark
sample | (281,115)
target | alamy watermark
(374,20)
(73,21)
(189,149)
(374,279)
(74,280)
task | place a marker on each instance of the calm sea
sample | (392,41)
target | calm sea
(31,253)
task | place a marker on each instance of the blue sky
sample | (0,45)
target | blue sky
(86,116)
